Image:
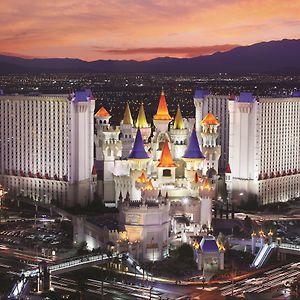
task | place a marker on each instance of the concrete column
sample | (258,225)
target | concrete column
(221,260)
(253,243)
(200,261)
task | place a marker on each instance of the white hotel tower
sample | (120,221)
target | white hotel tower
(264,147)
(46,145)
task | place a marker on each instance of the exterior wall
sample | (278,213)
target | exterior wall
(46,146)
(264,147)
(127,137)
(206,209)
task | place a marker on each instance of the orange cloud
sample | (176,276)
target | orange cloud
(72,28)
(169,51)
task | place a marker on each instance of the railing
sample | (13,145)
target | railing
(81,261)
(289,246)
(21,284)
(19,288)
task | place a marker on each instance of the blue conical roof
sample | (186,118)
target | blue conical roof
(193,149)
(138,150)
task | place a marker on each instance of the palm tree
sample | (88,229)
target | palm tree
(81,286)
(134,265)
(124,259)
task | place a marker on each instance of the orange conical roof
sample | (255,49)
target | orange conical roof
(149,185)
(210,119)
(142,178)
(206,185)
(162,110)
(166,160)
(102,112)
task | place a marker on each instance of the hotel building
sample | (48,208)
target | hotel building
(264,148)
(46,145)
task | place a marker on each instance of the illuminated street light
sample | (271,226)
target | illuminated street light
(3,192)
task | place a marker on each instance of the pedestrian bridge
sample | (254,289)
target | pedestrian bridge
(290,247)
(20,288)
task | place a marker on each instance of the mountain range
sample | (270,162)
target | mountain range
(274,57)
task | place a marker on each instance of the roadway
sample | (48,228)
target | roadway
(269,281)
(120,290)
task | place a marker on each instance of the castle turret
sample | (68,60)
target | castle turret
(81,146)
(108,148)
(127,132)
(138,159)
(198,102)
(162,117)
(193,156)
(228,182)
(209,135)
(102,117)
(206,195)
(178,134)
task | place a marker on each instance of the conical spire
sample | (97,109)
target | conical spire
(196,177)
(166,160)
(142,178)
(228,169)
(178,122)
(141,121)
(127,119)
(138,150)
(193,149)
(206,185)
(210,119)
(94,171)
(102,112)
(162,110)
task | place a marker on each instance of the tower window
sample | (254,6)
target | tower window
(167,173)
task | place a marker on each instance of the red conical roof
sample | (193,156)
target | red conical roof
(228,169)
(94,171)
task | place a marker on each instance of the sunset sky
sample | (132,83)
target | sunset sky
(141,29)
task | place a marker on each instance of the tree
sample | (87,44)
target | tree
(82,248)
(248,223)
(81,287)
(185,251)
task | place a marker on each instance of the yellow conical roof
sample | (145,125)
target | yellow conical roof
(178,122)
(127,119)
(141,121)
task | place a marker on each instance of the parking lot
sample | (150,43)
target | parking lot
(43,235)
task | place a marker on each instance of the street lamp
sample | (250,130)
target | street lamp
(3,192)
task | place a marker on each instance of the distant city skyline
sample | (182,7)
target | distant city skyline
(141,29)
